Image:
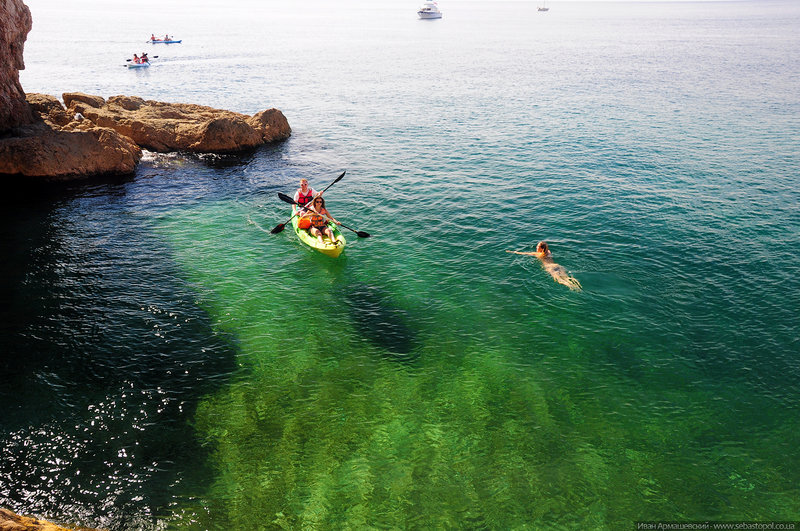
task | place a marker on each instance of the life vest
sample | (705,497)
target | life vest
(318,221)
(303,200)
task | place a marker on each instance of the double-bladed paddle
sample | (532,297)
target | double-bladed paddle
(281,226)
(361,233)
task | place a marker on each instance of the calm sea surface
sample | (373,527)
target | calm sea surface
(166,362)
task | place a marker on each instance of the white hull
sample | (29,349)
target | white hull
(429,10)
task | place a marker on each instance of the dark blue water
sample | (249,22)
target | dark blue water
(170,363)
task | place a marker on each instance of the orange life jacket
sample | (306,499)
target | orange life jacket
(318,221)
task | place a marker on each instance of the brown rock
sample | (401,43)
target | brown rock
(222,134)
(13,522)
(49,109)
(88,99)
(15,23)
(79,150)
(160,126)
(272,124)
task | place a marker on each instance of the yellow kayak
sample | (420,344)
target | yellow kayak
(332,249)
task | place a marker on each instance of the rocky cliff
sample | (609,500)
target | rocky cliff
(15,23)
(14,522)
(92,136)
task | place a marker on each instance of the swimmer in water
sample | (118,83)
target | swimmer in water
(558,272)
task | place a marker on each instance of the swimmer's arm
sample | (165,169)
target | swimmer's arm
(538,255)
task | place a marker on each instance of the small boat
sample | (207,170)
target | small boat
(543,7)
(429,10)
(138,65)
(162,41)
(328,248)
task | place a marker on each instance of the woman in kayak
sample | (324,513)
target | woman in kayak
(558,272)
(136,59)
(319,224)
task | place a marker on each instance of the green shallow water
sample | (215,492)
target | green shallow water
(375,403)
(169,363)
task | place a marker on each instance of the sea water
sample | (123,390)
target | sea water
(169,363)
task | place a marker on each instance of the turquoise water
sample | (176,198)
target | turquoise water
(173,365)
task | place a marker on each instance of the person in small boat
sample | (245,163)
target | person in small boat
(557,271)
(166,37)
(318,217)
(136,59)
(303,196)
(153,37)
(144,58)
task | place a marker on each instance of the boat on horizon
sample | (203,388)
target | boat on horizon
(429,10)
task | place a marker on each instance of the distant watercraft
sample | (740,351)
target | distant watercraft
(429,10)
(171,40)
(543,7)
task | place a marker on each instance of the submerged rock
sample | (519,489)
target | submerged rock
(382,322)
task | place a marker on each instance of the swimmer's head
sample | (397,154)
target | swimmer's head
(541,247)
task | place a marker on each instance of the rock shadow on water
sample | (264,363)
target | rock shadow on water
(379,320)
(221,161)
(104,355)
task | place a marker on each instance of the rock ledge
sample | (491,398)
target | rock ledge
(13,522)
(93,136)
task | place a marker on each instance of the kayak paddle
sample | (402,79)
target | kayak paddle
(279,227)
(361,233)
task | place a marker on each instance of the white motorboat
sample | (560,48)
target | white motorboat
(429,10)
